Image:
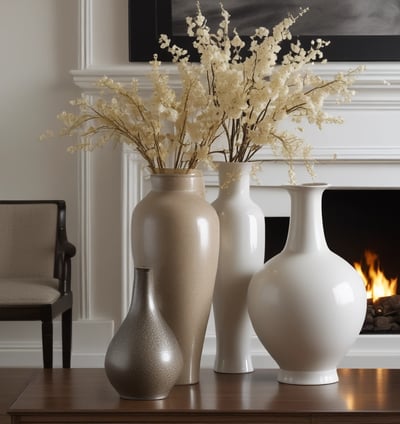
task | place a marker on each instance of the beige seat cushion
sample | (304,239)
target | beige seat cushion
(28,291)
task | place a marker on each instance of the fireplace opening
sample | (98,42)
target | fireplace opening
(363,227)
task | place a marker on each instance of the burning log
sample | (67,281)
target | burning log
(383,315)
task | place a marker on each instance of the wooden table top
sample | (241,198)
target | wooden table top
(86,392)
(12,382)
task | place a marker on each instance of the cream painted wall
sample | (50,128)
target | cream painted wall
(39,45)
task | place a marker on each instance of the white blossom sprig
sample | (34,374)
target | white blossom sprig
(256,94)
(170,129)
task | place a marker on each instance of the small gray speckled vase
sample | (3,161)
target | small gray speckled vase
(143,360)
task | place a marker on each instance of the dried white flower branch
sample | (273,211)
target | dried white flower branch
(243,91)
(255,93)
(169,129)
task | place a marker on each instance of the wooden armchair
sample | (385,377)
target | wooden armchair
(35,269)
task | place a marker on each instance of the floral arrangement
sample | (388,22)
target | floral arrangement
(255,94)
(238,90)
(169,130)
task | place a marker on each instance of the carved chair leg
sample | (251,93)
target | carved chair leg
(66,338)
(47,343)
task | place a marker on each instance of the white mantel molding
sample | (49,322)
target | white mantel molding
(375,73)
(377,88)
(85,34)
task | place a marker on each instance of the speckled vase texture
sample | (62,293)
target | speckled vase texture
(143,360)
(175,231)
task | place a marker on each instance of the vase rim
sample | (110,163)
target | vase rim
(235,167)
(247,163)
(307,185)
(177,172)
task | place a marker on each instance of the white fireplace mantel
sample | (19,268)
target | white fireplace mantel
(344,160)
(364,152)
(377,90)
(377,86)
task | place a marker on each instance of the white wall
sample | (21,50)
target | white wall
(40,44)
(38,47)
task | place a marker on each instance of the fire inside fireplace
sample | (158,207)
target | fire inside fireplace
(376,284)
(363,227)
(383,308)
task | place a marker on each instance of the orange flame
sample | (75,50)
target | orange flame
(376,284)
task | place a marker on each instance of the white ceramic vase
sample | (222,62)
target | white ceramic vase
(307,304)
(242,245)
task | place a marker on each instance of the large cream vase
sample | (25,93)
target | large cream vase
(175,232)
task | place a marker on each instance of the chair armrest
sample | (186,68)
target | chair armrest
(68,248)
(65,251)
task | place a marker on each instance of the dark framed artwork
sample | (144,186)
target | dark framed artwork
(359,30)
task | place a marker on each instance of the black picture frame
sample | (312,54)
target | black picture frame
(150,18)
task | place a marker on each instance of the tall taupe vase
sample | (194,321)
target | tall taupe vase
(175,231)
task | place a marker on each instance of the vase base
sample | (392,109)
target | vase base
(187,382)
(148,397)
(233,367)
(308,377)
(189,377)
(234,371)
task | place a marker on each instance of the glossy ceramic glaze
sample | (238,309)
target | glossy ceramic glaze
(307,304)
(175,231)
(143,360)
(242,242)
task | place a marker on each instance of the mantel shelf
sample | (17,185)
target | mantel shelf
(377,88)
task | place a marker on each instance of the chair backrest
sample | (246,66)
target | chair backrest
(28,237)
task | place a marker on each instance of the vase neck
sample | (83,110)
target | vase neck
(306,231)
(234,179)
(142,295)
(191,181)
